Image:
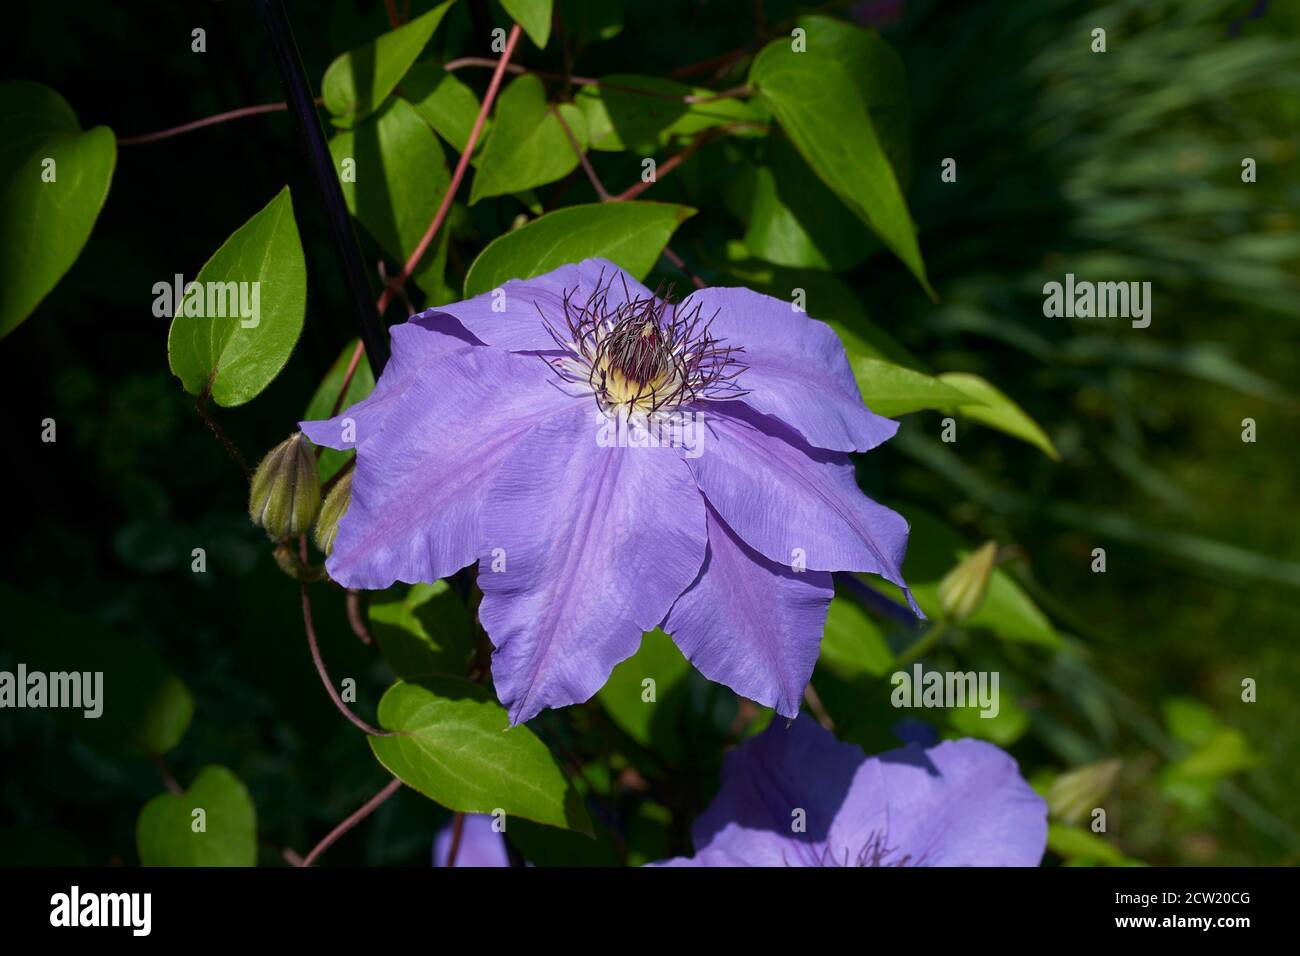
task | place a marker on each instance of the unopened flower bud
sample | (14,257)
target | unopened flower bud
(1075,794)
(962,589)
(285,493)
(336,503)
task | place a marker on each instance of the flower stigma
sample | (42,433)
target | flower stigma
(644,356)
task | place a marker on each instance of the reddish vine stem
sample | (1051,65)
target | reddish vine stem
(459,174)
(587,168)
(605,196)
(568,78)
(457,830)
(199,124)
(169,781)
(334,479)
(669,164)
(394,21)
(202,405)
(347,377)
(367,808)
(356,618)
(324,674)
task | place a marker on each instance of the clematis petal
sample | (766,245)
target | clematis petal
(512,317)
(796,369)
(751,623)
(597,543)
(781,792)
(795,796)
(480,843)
(414,343)
(961,803)
(420,483)
(792,503)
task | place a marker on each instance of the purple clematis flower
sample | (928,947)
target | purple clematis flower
(480,844)
(616,463)
(795,796)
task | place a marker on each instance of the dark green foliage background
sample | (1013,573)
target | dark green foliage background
(1061,163)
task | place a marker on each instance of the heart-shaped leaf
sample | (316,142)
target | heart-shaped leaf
(394,183)
(528,146)
(53,182)
(822,97)
(213,823)
(629,234)
(357,82)
(456,746)
(238,322)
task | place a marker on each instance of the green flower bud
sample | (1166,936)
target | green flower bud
(285,493)
(336,503)
(1075,794)
(962,589)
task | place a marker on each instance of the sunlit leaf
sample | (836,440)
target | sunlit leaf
(456,746)
(358,81)
(234,356)
(55,179)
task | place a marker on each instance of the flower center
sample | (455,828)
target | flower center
(645,355)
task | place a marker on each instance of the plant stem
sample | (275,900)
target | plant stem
(457,830)
(202,405)
(201,123)
(461,165)
(324,674)
(342,232)
(367,808)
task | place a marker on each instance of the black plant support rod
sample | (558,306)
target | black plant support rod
(297,93)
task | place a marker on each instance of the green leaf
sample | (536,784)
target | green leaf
(630,111)
(1188,720)
(534,16)
(629,234)
(171,832)
(994,409)
(458,749)
(357,82)
(933,549)
(528,147)
(144,707)
(445,103)
(650,713)
(401,176)
(1080,846)
(822,99)
(1003,728)
(893,390)
(322,402)
(426,632)
(853,646)
(264,257)
(590,21)
(44,225)
(794,220)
